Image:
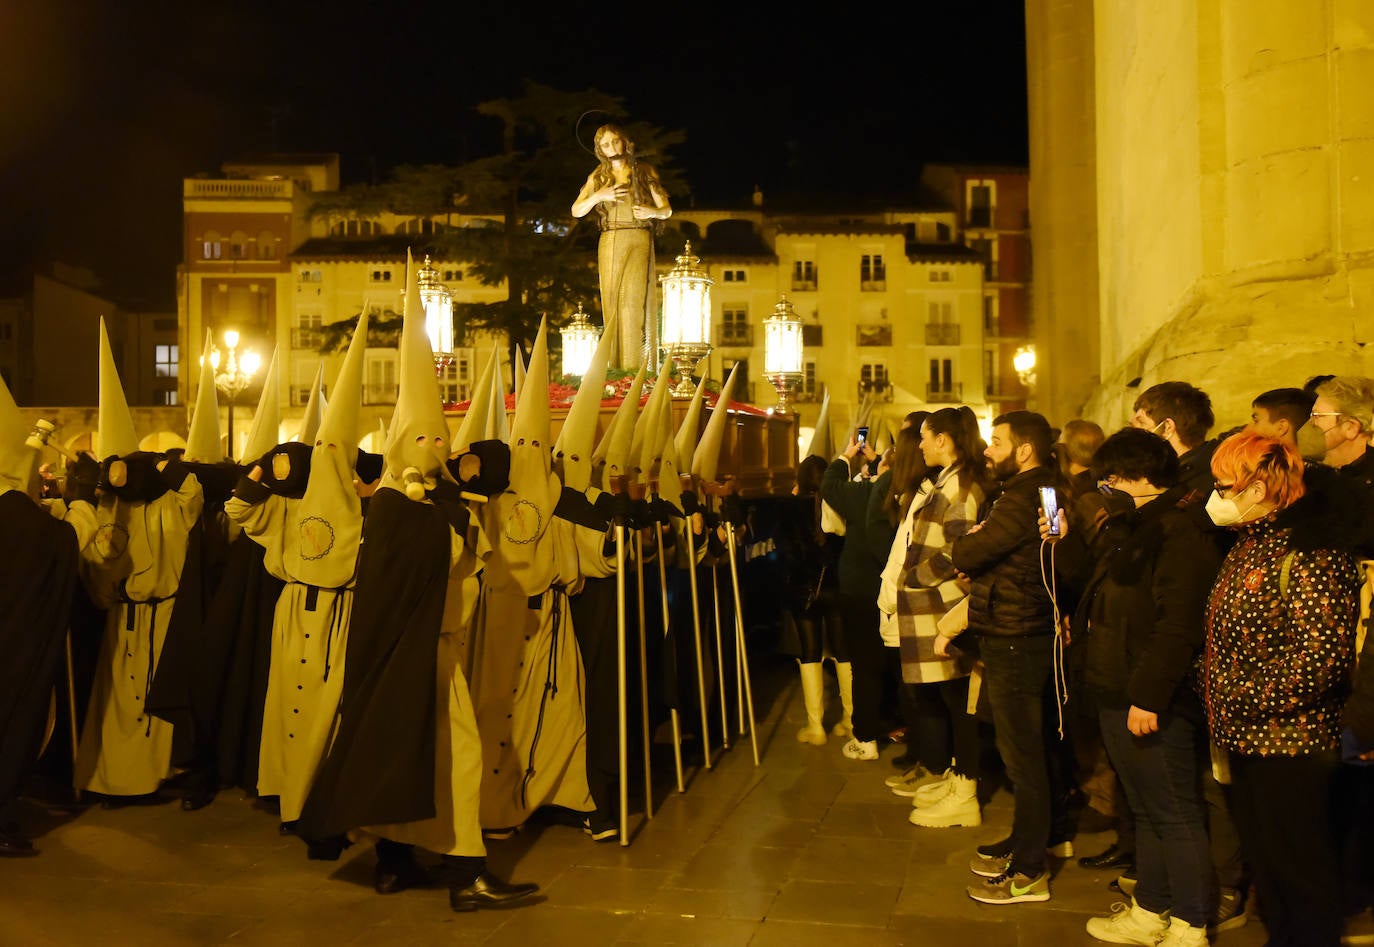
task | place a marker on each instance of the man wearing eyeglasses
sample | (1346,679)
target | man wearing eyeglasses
(1343,417)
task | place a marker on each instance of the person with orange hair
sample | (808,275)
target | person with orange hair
(1274,676)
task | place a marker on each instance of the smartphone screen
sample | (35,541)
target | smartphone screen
(1049,502)
(862,436)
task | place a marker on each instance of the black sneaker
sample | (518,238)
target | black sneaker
(599,829)
(1230,912)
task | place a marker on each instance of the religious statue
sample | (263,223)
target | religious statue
(627,197)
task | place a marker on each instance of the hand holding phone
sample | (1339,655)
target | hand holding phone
(862,437)
(1049,502)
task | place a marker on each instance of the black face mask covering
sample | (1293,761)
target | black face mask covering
(142,481)
(292,486)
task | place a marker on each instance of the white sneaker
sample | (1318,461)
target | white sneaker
(958,807)
(1128,924)
(906,777)
(857,749)
(1183,934)
(933,791)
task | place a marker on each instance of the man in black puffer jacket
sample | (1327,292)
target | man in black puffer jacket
(1011,614)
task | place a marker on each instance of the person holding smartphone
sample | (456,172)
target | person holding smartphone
(1013,617)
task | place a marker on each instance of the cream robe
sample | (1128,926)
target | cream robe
(527,678)
(313,547)
(123,751)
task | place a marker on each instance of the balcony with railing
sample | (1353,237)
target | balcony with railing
(942,333)
(804,285)
(951,393)
(873,285)
(1004,389)
(880,390)
(236,190)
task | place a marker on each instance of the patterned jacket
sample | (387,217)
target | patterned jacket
(919,582)
(1275,668)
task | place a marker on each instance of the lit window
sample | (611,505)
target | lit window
(165,361)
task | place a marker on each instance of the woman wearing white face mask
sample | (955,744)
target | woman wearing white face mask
(1275,674)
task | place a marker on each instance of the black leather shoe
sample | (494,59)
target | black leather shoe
(197,799)
(399,876)
(14,845)
(1112,858)
(488,891)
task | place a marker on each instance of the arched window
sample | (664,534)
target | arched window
(238,245)
(267,245)
(212,245)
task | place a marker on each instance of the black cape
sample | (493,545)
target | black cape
(380,767)
(36,591)
(190,669)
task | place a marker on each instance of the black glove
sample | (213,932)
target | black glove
(621,508)
(493,475)
(690,504)
(643,514)
(82,476)
(663,511)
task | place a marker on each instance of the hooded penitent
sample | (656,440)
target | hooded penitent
(578,436)
(690,430)
(417,445)
(821,443)
(477,423)
(647,430)
(202,441)
(707,455)
(520,515)
(115,425)
(614,448)
(330,511)
(265,431)
(18,461)
(314,409)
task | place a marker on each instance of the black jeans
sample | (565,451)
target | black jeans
(1159,774)
(867,662)
(1282,807)
(1016,673)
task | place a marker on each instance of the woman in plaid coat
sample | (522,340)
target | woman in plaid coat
(927,588)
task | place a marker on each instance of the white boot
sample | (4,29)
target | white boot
(1130,924)
(844,673)
(1183,934)
(959,806)
(813,694)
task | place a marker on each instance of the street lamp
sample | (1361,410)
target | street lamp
(1024,363)
(437,302)
(580,339)
(686,317)
(236,376)
(782,352)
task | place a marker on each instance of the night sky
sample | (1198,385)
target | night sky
(104,109)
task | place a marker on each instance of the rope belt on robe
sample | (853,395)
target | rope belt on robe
(312,598)
(122,595)
(550,683)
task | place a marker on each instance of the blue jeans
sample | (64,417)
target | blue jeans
(1016,674)
(1160,776)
